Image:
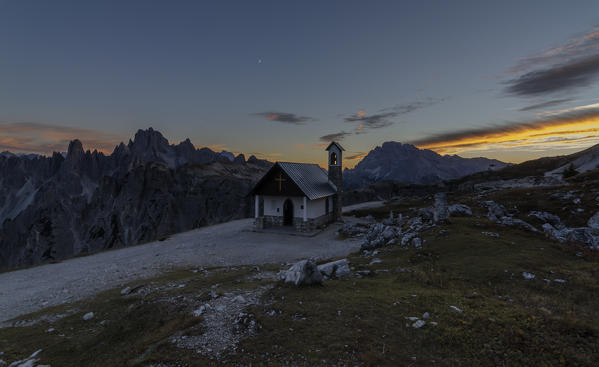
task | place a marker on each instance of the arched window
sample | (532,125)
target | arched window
(333,159)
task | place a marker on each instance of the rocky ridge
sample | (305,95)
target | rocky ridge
(59,206)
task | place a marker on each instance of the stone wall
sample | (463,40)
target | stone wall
(270,221)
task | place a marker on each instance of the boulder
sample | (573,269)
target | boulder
(440,209)
(460,210)
(416,242)
(337,269)
(88,316)
(518,223)
(495,211)
(552,219)
(303,272)
(594,221)
(389,233)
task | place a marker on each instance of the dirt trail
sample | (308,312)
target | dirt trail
(232,243)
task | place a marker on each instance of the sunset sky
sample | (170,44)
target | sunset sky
(511,80)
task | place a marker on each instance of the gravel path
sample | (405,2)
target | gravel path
(28,290)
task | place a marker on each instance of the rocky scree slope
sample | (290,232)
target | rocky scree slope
(64,205)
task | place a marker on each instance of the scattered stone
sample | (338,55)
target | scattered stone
(456,309)
(594,221)
(547,218)
(27,362)
(416,242)
(50,330)
(519,223)
(239,299)
(303,272)
(576,201)
(125,291)
(559,281)
(426,315)
(528,276)
(88,316)
(495,211)
(338,269)
(418,324)
(375,261)
(440,209)
(412,318)
(460,210)
(491,234)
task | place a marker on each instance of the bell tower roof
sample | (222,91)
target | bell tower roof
(335,144)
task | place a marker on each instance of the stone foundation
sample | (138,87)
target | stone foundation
(271,221)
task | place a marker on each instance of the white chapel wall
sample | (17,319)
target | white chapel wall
(271,203)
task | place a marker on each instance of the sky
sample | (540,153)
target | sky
(511,80)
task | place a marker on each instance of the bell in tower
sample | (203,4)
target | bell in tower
(335,175)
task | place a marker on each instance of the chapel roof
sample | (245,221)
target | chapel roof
(310,178)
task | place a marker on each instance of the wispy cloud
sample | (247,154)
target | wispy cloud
(572,65)
(544,133)
(547,104)
(336,136)
(403,109)
(375,121)
(387,116)
(356,156)
(284,117)
(33,137)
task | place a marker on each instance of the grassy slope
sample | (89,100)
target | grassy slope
(507,320)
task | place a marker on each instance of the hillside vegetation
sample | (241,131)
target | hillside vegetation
(468,277)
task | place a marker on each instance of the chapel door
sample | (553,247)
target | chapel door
(288,213)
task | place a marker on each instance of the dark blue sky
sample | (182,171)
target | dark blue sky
(278,77)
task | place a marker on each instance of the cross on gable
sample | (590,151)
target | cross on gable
(280,180)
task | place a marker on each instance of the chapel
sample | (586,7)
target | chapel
(303,196)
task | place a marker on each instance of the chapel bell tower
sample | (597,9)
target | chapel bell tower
(335,175)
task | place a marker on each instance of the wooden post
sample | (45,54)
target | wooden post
(257,208)
(305,209)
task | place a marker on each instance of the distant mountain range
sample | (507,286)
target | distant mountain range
(395,161)
(81,201)
(55,207)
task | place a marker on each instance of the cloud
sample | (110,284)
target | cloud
(356,156)
(33,137)
(572,65)
(546,132)
(284,117)
(579,73)
(376,121)
(552,103)
(386,117)
(403,109)
(336,136)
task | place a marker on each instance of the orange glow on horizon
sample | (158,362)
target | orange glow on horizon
(542,138)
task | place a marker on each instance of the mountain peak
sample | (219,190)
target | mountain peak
(75,149)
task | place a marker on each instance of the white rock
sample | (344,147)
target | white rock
(412,318)
(426,315)
(528,276)
(200,311)
(559,280)
(594,221)
(125,291)
(460,210)
(339,268)
(418,324)
(375,261)
(239,299)
(303,272)
(88,316)
(456,309)
(416,242)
